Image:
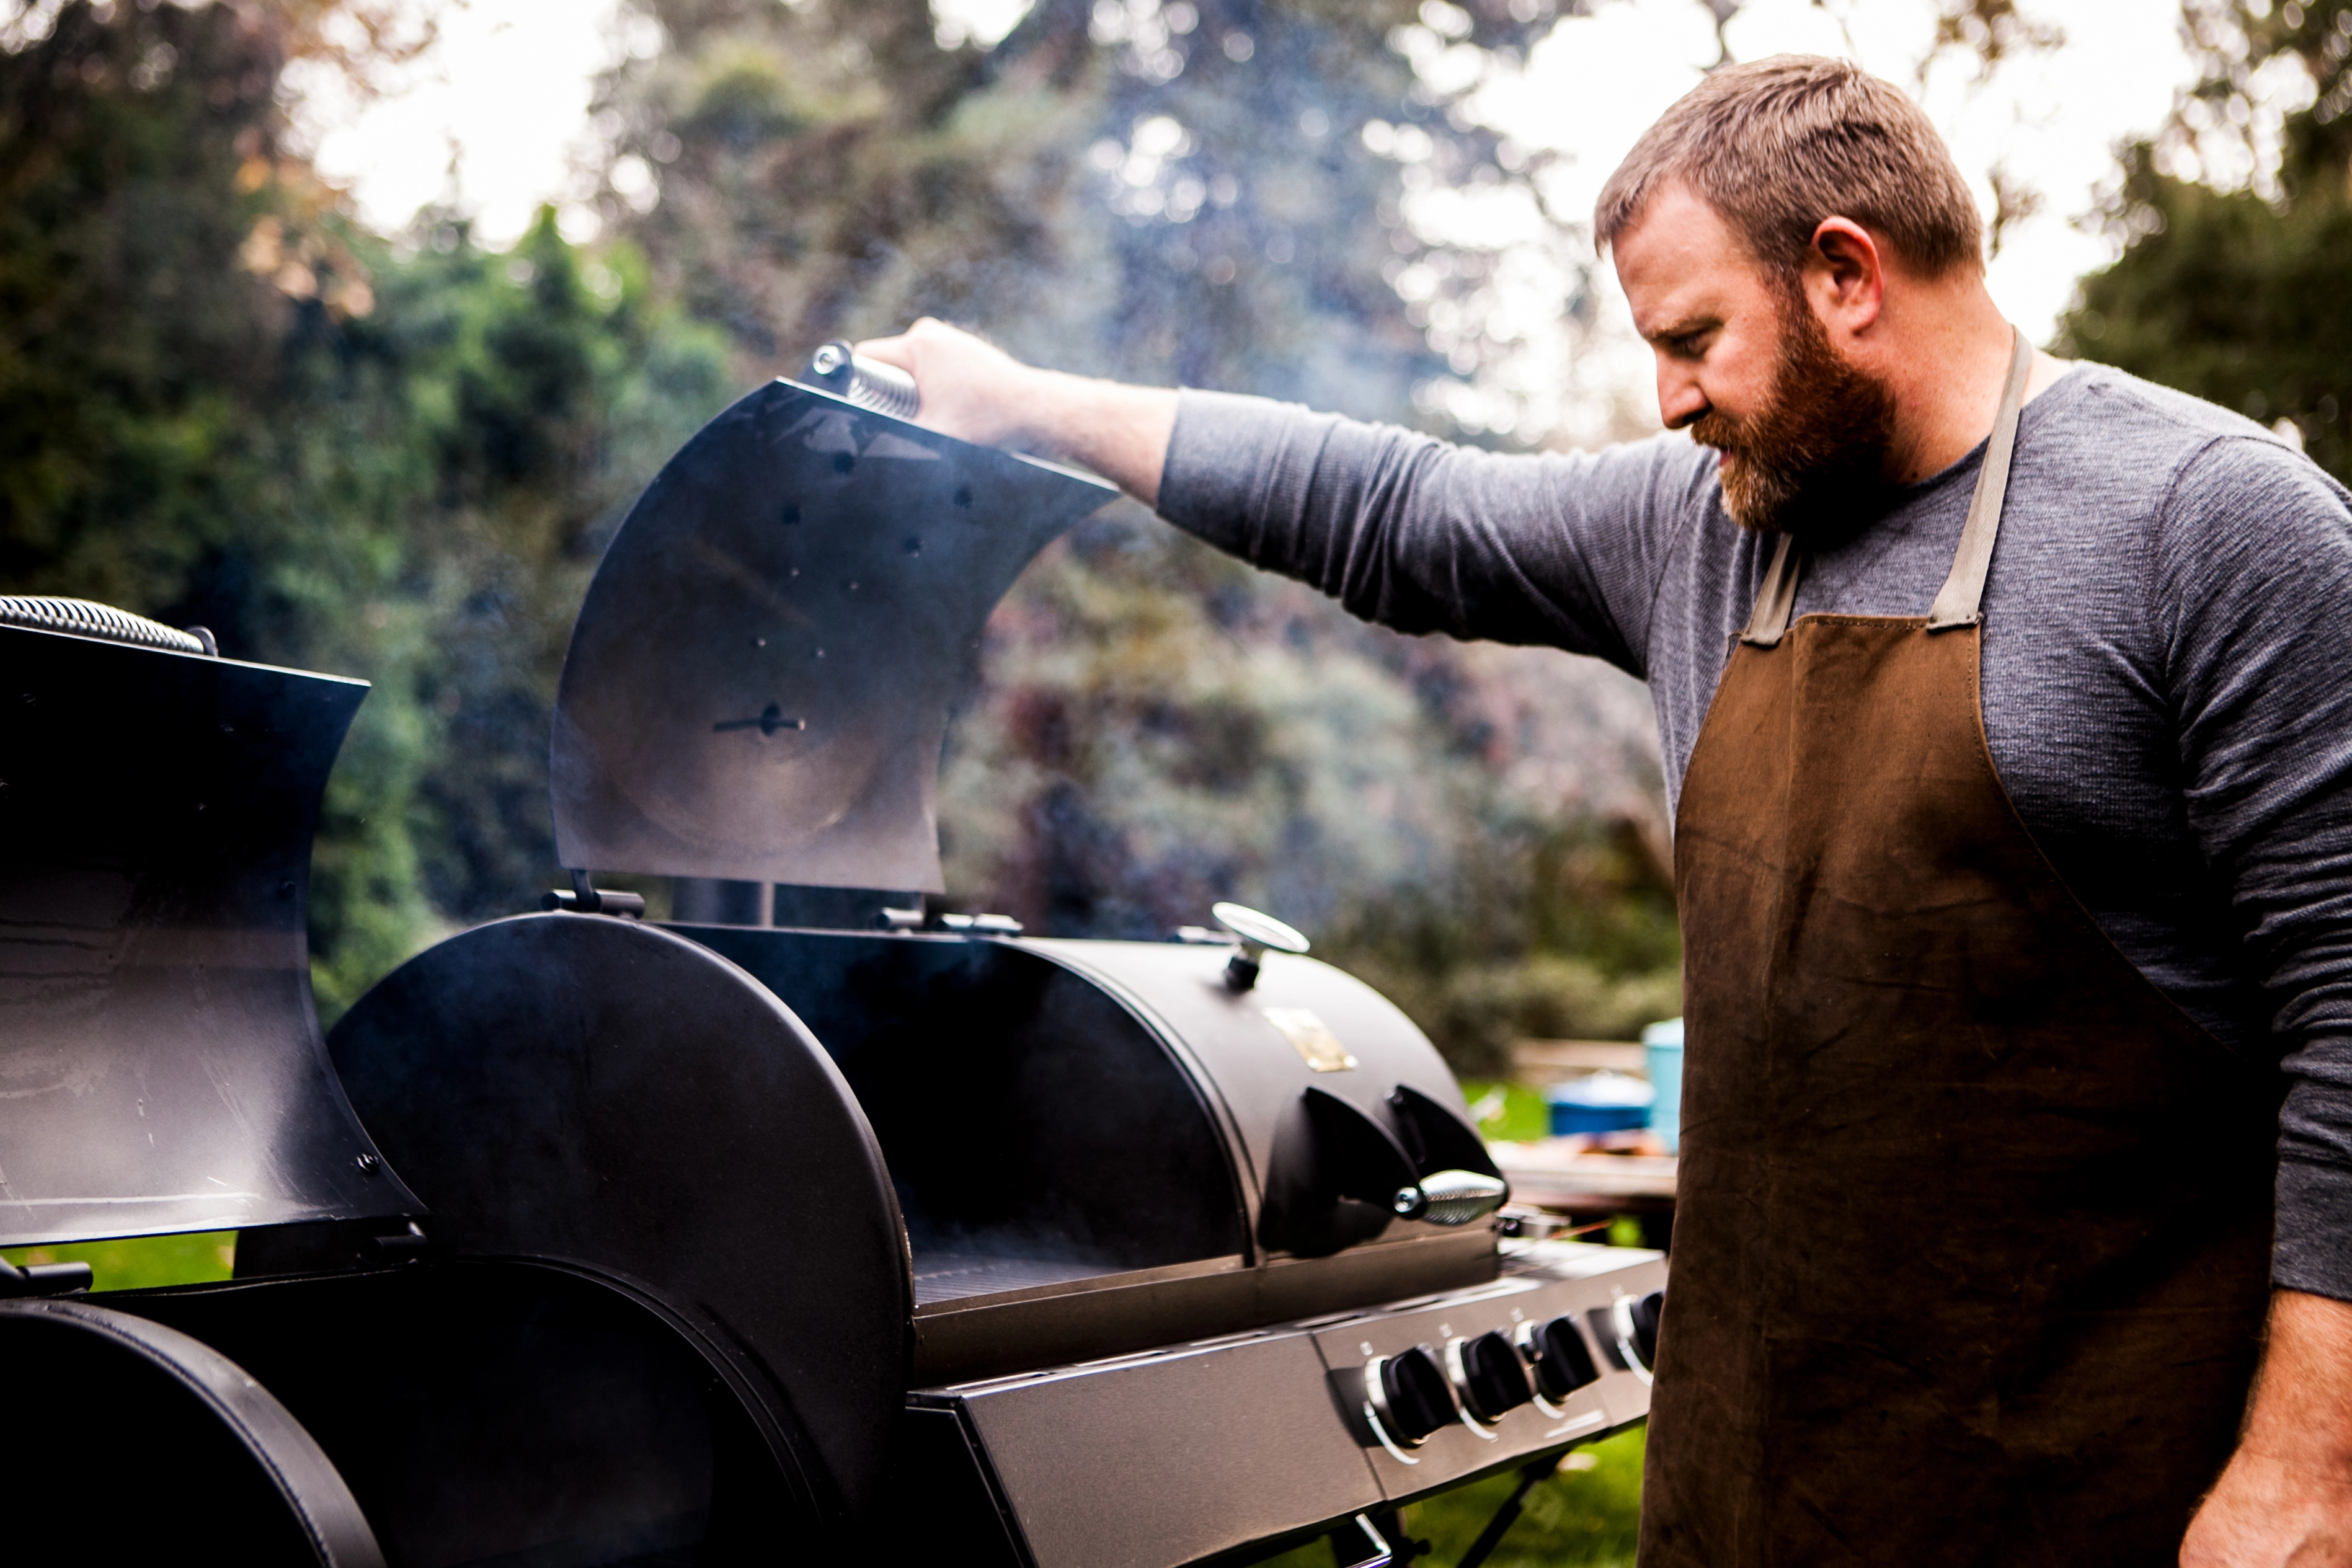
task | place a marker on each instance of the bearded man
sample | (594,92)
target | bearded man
(2007,707)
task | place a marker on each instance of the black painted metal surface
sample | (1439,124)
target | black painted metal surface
(1082,1176)
(1037,1132)
(510,1412)
(1303,1026)
(160,1068)
(759,682)
(142,1441)
(590,1090)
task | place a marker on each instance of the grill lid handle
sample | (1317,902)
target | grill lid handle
(1257,933)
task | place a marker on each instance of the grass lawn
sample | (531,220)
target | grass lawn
(138,1261)
(1507,1112)
(1582,1517)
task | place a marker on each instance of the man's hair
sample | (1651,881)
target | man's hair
(1780,144)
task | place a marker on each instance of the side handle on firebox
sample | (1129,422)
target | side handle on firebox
(1459,1179)
(1339,1175)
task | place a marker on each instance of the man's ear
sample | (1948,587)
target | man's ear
(1845,277)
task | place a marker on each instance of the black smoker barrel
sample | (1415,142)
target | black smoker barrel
(1065,1251)
(812,1225)
(361,1401)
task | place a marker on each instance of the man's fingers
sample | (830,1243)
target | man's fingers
(896,352)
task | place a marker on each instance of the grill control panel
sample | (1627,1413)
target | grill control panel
(1531,1362)
(1275,1432)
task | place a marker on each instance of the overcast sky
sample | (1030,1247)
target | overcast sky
(503,102)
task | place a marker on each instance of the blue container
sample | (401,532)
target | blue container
(1665,1042)
(1599,1102)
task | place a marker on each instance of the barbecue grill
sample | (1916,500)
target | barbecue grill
(874,1223)
(162,1071)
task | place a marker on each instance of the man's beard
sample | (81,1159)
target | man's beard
(1811,462)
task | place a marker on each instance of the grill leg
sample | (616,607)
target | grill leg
(1508,1515)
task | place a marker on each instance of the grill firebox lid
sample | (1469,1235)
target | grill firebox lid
(759,679)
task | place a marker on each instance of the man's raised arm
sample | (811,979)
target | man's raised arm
(1564,550)
(976,391)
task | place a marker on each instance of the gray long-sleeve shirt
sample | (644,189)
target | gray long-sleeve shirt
(2166,665)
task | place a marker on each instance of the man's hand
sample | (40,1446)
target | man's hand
(974,391)
(2286,1497)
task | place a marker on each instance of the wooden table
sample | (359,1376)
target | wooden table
(1560,1172)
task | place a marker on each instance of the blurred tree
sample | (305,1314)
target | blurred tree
(1173,193)
(222,402)
(2235,278)
(1208,192)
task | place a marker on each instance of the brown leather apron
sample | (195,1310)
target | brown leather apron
(1973,1242)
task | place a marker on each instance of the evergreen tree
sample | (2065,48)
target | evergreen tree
(222,402)
(2241,295)
(1180,192)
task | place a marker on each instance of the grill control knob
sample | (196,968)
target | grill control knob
(1408,1395)
(1628,1331)
(1637,1327)
(1488,1375)
(1563,1362)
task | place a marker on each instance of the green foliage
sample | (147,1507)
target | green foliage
(1577,1519)
(1099,192)
(2241,296)
(1506,1110)
(141,1262)
(1585,1515)
(222,404)
(2240,300)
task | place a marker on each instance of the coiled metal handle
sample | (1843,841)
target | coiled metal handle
(869,384)
(83,618)
(1453,1198)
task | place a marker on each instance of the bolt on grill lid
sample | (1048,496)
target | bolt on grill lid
(759,679)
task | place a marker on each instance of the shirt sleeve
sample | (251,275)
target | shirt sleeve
(1563,550)
(2251,593)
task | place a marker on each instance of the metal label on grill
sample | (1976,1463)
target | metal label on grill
(1312,1038)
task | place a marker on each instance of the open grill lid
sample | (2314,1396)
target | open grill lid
(160,1068)
(759,679)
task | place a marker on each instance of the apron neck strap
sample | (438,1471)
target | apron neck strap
(1960,601)
(1769,619)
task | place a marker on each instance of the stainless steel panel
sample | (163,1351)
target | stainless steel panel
(1166,1458)
(1575,1280)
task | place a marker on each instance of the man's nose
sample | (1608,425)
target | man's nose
(1680,400)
